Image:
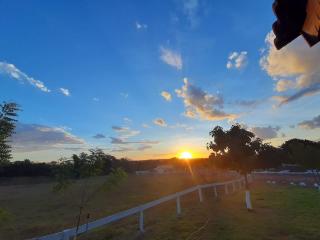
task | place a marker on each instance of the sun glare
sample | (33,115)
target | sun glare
(185,155)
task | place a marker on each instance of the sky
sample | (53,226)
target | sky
(150,79)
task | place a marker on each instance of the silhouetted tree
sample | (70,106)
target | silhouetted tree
(306,153)
(8,114)
(270,157)
(236,149)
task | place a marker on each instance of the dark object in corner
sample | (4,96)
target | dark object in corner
(296,17)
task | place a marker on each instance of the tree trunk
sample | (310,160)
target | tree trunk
(247,193)
(78,223)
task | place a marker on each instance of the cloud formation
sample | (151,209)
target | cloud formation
(124,95)
(125,132)
(144,147)
(122,149)
(295,68)
(99,136)
(129,149)
(115,140)
(191,9)
(171,58)
(166,95)
(141,26)
(248,103)
(160,122)
(266,132)
(237,60)
(65,91)
(13,72)
(35,137)
(202,105)
(311,124)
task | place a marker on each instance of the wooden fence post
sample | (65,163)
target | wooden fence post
(226,188)
(215,191)
(178,206)
(200,194)
(141,228)
(233,187)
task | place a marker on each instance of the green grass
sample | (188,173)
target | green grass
(280,212)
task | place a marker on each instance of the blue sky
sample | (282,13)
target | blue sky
(86,71)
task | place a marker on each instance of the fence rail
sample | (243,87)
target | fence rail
(67,234)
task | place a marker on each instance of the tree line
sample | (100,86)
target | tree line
(239,149)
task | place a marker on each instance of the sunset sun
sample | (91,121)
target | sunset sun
(185,155)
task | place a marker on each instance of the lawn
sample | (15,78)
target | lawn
(280,212)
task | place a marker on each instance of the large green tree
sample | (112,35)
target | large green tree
(237,149)
(8,115)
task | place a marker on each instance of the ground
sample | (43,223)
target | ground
(280,212)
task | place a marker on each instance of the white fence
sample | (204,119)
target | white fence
(67,234)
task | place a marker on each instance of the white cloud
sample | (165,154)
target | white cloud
(65,91)
(145,125)
(144,147)
(125,132)
(128,149)
(266,132)
(183,126)
(126,119)
(124,95)
(284,85)
(116,140)
(237,60)
(311,124)
(171,58)
(141,26)
(294,67)
(35,137)
(166,96)
(13,72)
(160,122)
(191,9)
(122,149)
(202,105)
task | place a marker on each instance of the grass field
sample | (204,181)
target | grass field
(280,212)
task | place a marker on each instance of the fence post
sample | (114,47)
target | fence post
(215,191)
(233,187)
(200,194)
(226,188)
(178,206)
(141,222)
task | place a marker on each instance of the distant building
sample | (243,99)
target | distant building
(145,172)
(162,169)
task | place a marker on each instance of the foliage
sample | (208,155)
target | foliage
(8,114)
(82,167)
(236,148)
(270,157)
(303,152)
(5,217)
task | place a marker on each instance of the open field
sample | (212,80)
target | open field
(36,210)
(280,212)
